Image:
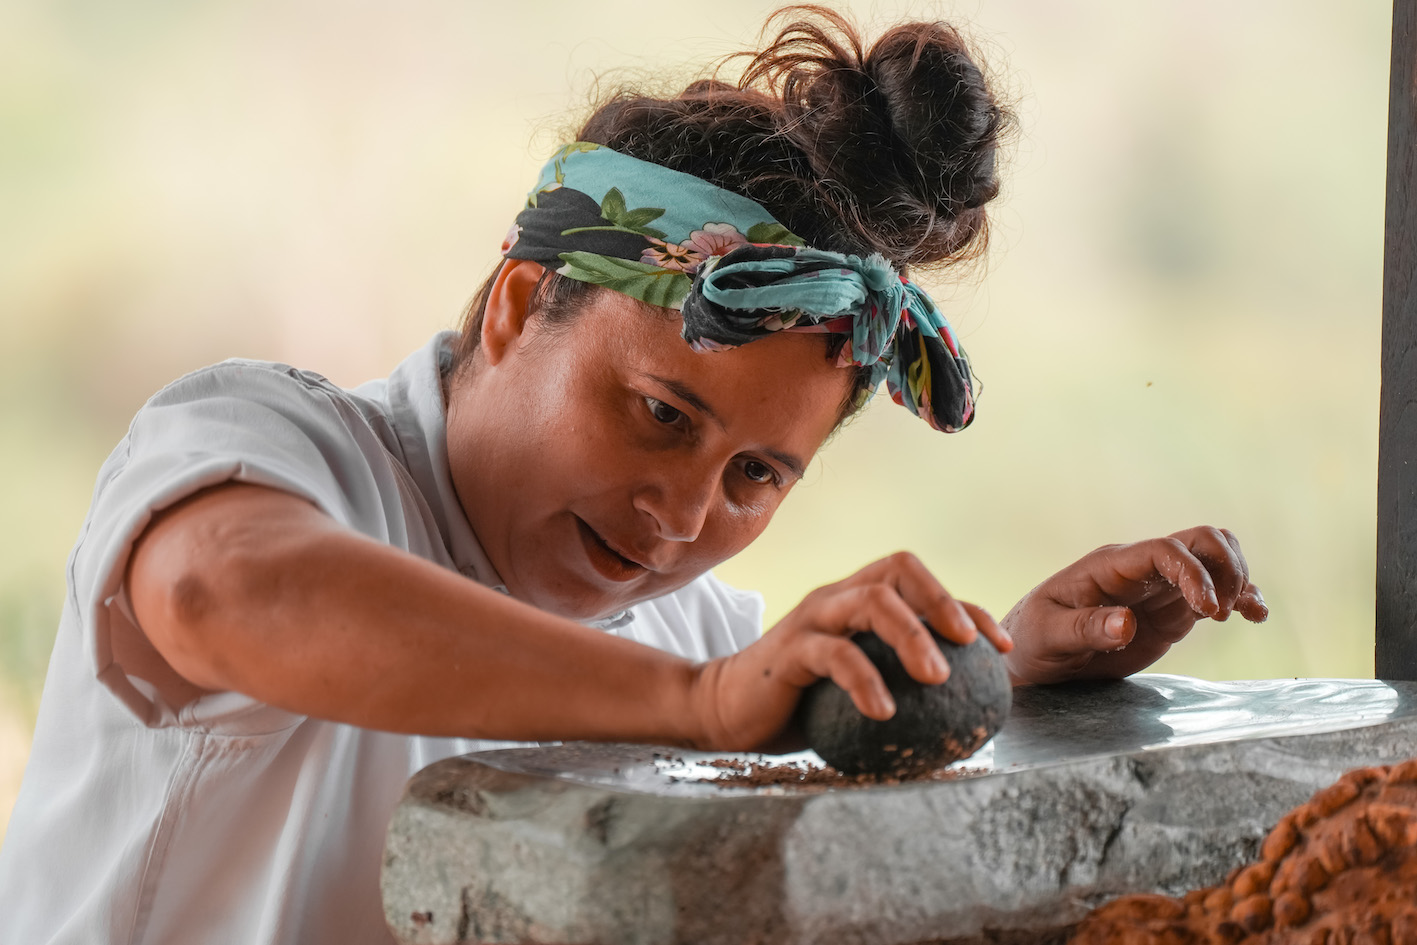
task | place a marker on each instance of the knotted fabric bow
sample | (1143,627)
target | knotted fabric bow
(737,274)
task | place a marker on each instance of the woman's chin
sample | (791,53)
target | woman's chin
(581,603)
(584,593)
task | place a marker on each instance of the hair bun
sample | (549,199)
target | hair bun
(940,108)
(901,137)
(886,151)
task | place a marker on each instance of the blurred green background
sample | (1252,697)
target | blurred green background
(1178,324)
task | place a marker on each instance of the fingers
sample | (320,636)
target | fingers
(1222,561)
(1219,550)
(749,699)
(1205,565)
(1174,561)
(1168,621)
(1119,608)
(847,665)
(922,591)
(894,598)
(987,625)
(914,583)
(1251,605)
(1105,628)
(880,608)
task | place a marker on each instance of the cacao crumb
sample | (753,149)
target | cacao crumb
(739,773)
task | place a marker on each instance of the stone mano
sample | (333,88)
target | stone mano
(1152,784)
(932,725)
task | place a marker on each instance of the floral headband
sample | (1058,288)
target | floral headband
(736,274)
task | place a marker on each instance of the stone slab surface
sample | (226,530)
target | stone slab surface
(1155,783)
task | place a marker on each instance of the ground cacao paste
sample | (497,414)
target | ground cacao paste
(1338,870)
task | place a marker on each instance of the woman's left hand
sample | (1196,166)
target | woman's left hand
(1117,610)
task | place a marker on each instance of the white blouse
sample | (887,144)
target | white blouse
(141,822)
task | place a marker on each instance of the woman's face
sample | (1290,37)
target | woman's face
(603,462)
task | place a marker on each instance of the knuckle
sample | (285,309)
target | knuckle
(879,595)
(1175,546)
(1104,553)
(905,559)
(1082,623)
(1233,544)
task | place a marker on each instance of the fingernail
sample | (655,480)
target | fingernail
(939,667)
(1115,627)
(887,704)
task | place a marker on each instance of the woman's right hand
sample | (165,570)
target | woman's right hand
(745,701)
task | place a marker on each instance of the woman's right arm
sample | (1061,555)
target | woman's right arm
(254,590)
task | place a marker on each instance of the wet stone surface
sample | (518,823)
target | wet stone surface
(1157,784)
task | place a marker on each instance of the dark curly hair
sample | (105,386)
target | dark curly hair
(886,150)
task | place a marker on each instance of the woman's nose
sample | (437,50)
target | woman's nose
(679,501)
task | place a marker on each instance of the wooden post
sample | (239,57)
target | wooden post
(1397,413)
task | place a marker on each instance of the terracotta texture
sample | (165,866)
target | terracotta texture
(1340,869)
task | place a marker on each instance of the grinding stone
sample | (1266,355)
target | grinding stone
(932,726)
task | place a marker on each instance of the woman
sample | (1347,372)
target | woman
(289,597)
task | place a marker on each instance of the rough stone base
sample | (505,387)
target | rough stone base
(601,845)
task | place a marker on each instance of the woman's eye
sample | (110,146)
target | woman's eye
(663,412)
(759,471)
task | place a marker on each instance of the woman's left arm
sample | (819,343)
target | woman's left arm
(1117,610)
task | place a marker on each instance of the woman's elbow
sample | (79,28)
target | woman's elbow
(197,577)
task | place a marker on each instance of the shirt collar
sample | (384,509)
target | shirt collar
(415,398)
(420,420)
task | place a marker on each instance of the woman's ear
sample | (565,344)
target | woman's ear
(508,307)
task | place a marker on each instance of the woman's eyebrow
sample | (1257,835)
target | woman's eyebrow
(685,393)
(793,464)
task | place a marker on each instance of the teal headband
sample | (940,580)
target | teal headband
(737,274)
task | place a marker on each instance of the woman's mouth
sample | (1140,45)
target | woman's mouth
(606,561)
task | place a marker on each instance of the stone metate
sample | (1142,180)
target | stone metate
(1151,784)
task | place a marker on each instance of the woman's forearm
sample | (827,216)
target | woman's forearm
(248,589)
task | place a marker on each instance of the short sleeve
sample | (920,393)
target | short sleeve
(238,421)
